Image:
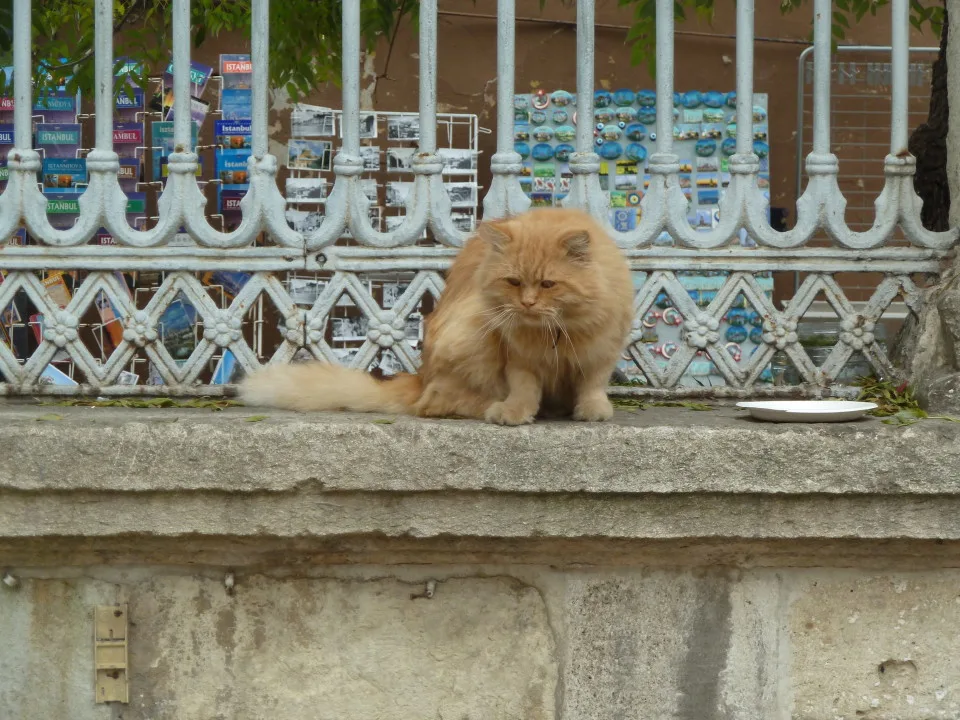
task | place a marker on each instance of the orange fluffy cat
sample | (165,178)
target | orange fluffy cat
(534,316)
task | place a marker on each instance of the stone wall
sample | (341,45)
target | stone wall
(671,564)
(529,642)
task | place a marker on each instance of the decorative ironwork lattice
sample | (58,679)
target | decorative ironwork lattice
(264,245)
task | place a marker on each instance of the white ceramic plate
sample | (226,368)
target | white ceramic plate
(807,411)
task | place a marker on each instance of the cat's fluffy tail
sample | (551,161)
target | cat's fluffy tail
(321,386)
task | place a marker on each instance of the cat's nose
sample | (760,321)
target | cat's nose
(528,302)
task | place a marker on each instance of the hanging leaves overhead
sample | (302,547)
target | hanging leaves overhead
(305,37)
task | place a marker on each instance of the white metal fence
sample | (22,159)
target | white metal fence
(344,266)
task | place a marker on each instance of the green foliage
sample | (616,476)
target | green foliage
(846,13)
(895,403)
(890,398)
(305,37)
(632,404)
(213,404)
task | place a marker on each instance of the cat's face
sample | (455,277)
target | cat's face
(537,272)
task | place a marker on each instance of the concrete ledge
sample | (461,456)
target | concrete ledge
(662,474)
(660,451)
(672,564)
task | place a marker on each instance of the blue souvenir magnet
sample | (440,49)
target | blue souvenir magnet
(737,318)
(561,98)
(736,334)
(705,148)
(636,152)
(602,116)
(542,151)
(563,152)
(611,132)
(522,149)
(565,133)
(602,99)
(647,115)
(610,150)
(543,134)
(626,114)
(646,98)
(728,147)
(761,148)
(624,96)
(691,99)
(538,117)
(635,132)
(560,116)
(713,99)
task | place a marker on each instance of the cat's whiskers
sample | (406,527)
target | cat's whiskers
(496,322)
(486,311)
(507,331)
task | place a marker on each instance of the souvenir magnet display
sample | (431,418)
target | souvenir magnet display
(624,139)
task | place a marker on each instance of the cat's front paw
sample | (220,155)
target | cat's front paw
(593,409)
(505,413)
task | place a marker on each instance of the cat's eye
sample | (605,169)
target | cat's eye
(547,284)
(514,281)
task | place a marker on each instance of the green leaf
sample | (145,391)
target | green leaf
(688,404)
(49,417)
(384,421)
(257,418)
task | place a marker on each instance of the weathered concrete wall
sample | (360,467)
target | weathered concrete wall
(668,565)
(529,643)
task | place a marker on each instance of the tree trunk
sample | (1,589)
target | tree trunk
(929,145)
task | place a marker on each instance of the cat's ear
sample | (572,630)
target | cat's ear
(494,234)
(577,244)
